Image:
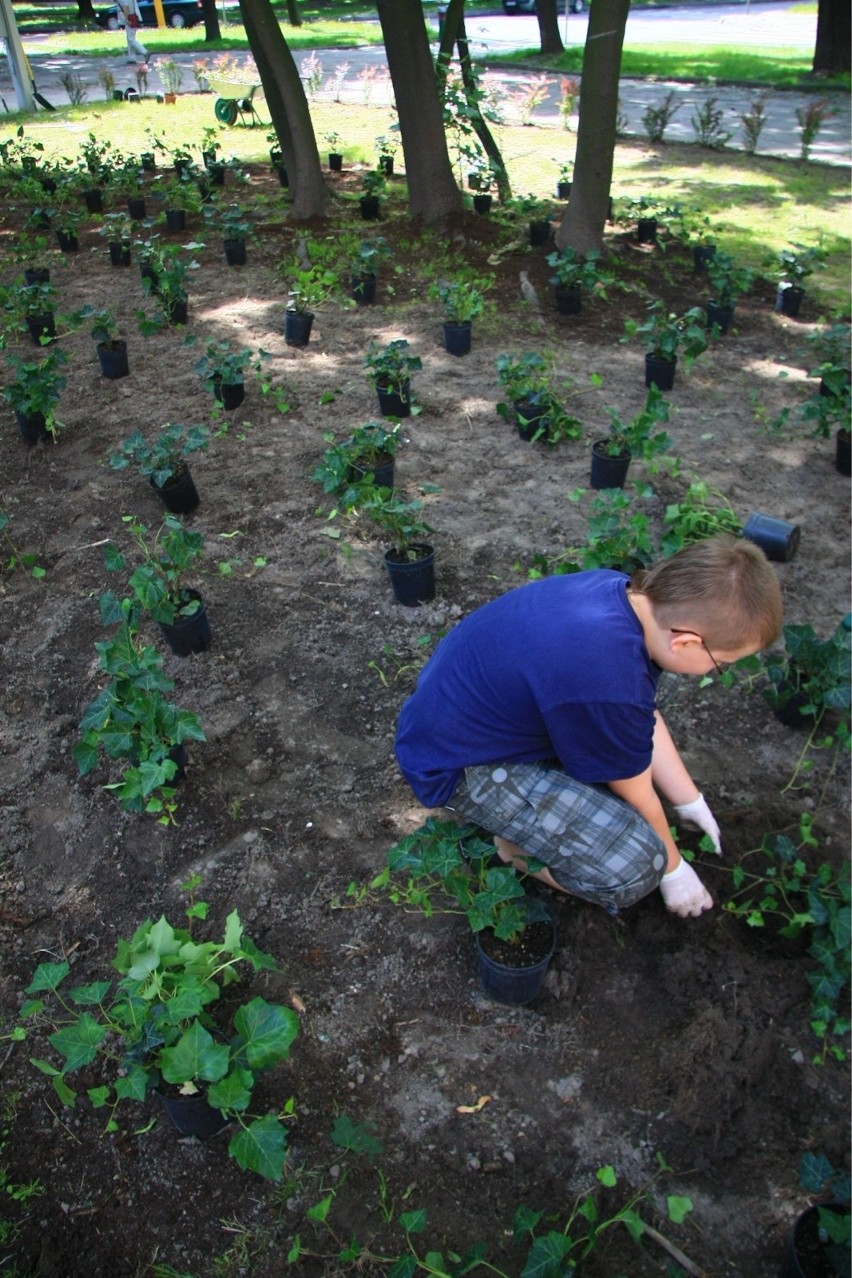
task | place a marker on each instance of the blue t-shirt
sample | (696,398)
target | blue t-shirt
(553,670)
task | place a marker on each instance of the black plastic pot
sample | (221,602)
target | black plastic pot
(722,316)
(842,456)
(119,254)
(228,394)
(43,325)
(563,190)
(283,176)
(178,494)
(68,242)
(370,207)
(37,275)
(608,472)
(810,1253)
(148,161)
(216,173)
(569,299)
(382,473)
(136,207)
(193,1115)
(660,372)
(235,252)
(701,255)
(778,539)
(208,159)
(94,200)
(32,427)
(540,233)
(175,220)
(276,158)
(177,310)
(788,300)
(297,327)
(482,204)
(457,338)
(386,165)
(335,161)
(364,288)
(789,711)
(530,416)
(394,403)
(516,985)
(113,359)
(413,580)
(646,230)
(187,635)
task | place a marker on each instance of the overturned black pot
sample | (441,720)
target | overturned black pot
(777,538)
(335,161)
(646,230)
(540,233)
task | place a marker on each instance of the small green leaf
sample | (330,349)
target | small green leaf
(679,1208)
(260,1148)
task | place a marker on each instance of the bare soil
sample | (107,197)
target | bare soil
(655,1039)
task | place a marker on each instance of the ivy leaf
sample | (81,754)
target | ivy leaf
(260,1148)
(48,976)
(355,1136)
(78,1043)
(195,1055)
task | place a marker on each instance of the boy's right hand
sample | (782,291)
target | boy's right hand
(684,893)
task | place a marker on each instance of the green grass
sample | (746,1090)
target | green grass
(98,43)
(694,63)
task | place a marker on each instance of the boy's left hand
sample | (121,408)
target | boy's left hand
(698,814)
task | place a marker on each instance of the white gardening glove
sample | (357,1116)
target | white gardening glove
(684,893)
(698,814)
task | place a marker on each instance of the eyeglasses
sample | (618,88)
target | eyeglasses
(719,669)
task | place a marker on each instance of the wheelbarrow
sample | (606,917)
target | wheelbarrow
(235,100)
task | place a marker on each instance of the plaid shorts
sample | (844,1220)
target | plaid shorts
(594,844)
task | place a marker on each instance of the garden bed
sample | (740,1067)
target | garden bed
(679,1052)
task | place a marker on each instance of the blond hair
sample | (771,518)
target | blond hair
(722,588)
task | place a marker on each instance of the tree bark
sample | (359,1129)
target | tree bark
(548,27)
(211,21)
(86,10)
(294,16)
(833,36)
(288,107)
(433,195)
(583,223)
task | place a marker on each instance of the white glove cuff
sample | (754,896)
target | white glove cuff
(691,810)
(678,872)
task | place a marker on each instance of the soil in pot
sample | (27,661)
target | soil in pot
(515,973)
(37,275)
(178,494)
(297,327)
(382,470)
(457,338)
(177,310)
(660,372)
(607,471)
(113,359)
(412,580)
(808,1254)
(563,190)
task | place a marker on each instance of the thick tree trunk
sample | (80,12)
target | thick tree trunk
(833,37)
(211,21)
(548,27)
(288,107)
(86,10)
(294,17)
(583,223)
(433,195)
(454,32)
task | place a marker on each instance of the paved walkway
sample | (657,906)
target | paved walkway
(781,135)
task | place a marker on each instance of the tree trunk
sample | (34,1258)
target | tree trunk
(211,21)
(294,17)
(833,37)
(288,107)
(433,195)
(86,10)
(454,31)
(548,27)
(583,223)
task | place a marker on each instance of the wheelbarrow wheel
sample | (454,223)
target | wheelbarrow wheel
(226,110)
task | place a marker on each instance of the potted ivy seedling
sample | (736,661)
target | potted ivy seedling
(409,559)
(163,461)
(309,288)
(793,266)
(463,300)
(385,152)
(180,197)
(365,456)
(811,677)
(363,269)
(38,303)
(536,212)
(525,379)
(117,229)
(390,368)
(167,1027)
(563,181)
(638,437)
(443,868)
(111,349)
(132,722)
(33,394)
(728,282)
(223,370)
(573,272)
(665,335)
(374,184)
(158,582)
(335,155)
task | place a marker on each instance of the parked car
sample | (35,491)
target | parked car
(178,13)
(528,6)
